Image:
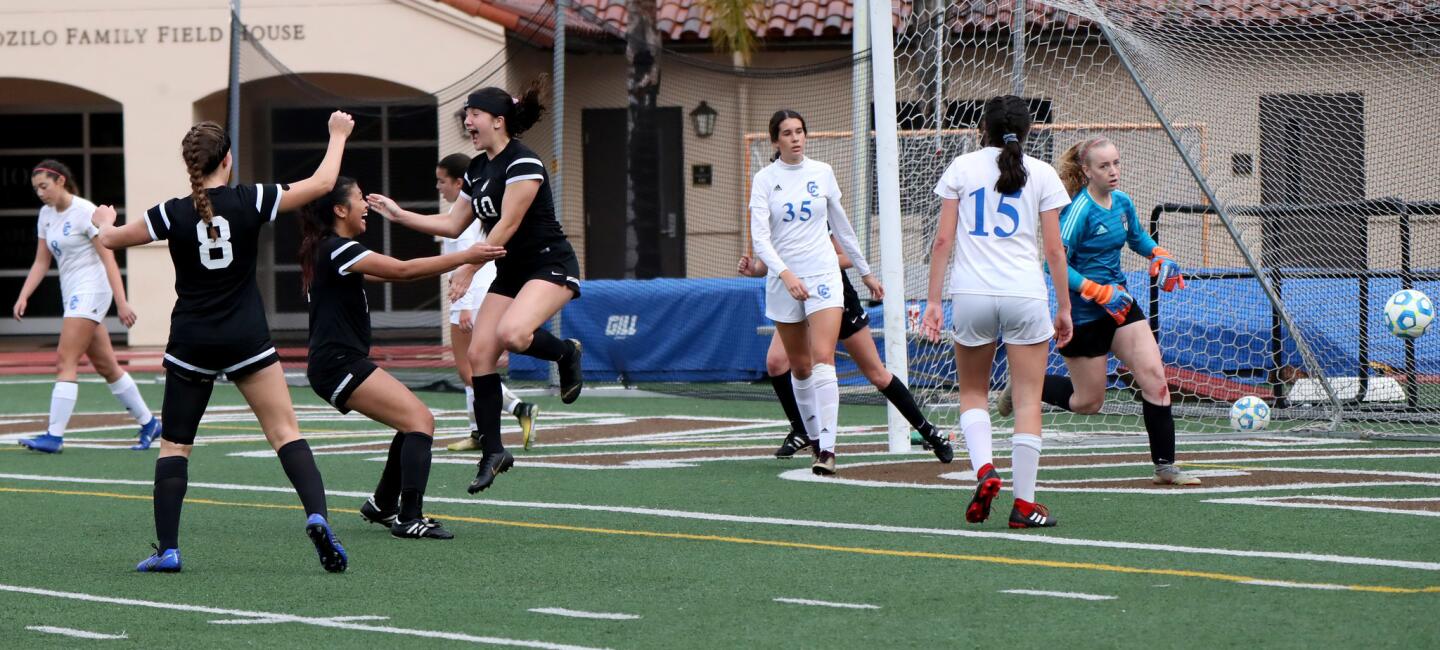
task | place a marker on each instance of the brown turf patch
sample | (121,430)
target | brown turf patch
(576,433)
(36,423)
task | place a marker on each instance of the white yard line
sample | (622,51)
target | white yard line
(1057,594)
(823,603)
(272,621)
(79,634)
(1295,585)
(1278,503)
(575,613)
(289,618)
(802,523)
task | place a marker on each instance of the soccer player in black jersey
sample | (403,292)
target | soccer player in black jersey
(508,189)
(218,324)
(856,337)
(334,267)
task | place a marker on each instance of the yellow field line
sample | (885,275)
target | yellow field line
(860,550)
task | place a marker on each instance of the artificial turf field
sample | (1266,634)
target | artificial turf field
(668,516)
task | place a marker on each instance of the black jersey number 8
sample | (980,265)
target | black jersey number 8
(221,242)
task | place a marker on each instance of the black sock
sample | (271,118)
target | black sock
(1057,391)
(172,475)
(547,346)
(300,467)
(900,396)
(487,411)
(415,459)
(1160,426)
(388,489)
(785,390)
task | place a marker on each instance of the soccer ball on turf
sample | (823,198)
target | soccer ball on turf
(1408,313)
(1249,413)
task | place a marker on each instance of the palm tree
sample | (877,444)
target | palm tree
(642,193)
(732,26)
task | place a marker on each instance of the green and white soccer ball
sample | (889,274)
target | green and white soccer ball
(1408,313)
(1249,413)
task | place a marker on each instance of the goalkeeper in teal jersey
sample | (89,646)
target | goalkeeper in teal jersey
(1099,222)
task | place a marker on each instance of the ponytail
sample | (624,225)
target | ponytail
(56,170)
(1005,124)
(317,221)
(520,113)
(203,149)
(1071,166)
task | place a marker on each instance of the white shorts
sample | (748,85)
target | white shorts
(826,291)
(979,319)
(479,286)
(93,306)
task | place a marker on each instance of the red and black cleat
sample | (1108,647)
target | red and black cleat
(1030,515)
(986,487)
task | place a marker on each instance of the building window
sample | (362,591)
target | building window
(91,143)
(392,151)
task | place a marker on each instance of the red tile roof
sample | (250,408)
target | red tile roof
(791,20)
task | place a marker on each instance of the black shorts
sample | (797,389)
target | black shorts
(1093,339)
(556,263)
(855,317)
(334,376)
(208,360)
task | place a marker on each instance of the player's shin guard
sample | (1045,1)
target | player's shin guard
(827,403)
(1024,465)
(62,403)
(128,394)
(1057,391)
(1160,426)
(487,412)
(904,402)
(546,346)
(975,426)
(414,474)
(785,392)
(805,402)
(172,476)
(388,489)
(304,475)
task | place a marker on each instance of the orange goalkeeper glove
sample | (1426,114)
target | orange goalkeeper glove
(1166,270)
(1111,297)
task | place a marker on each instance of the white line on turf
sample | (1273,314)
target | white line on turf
(823,603)
(1057,594)
(79,634)
(1280,502)
(272,621)
(802,523)
(289,618)
(1294,585)
(575,613)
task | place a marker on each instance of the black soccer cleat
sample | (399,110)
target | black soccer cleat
(490,466)
(824,464)
(939,444)
(372,513)
(1030,515)
(572,380)
(987,485)
(421,528)
(795,442)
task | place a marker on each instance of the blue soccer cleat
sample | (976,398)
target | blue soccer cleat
(332,554)
(148,434)
(44,443)
(166,561)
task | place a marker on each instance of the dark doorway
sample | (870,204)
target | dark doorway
(1312,151)
(605,165)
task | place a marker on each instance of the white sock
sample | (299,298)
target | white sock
(975,425)
(125,390)
(509,398)
(470,405)
(827,403)
(805,400)
(1024,465)
(62,403)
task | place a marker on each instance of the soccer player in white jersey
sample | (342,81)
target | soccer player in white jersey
(89,280)
(791,203)
(991,203)
(449,177)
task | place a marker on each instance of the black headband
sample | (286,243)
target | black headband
(494,103)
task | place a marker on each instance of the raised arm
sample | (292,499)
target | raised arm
(388,269)
(133,233)
(323,180)
(449,224)
(32,280)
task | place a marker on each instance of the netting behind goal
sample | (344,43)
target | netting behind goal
(1304,126)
